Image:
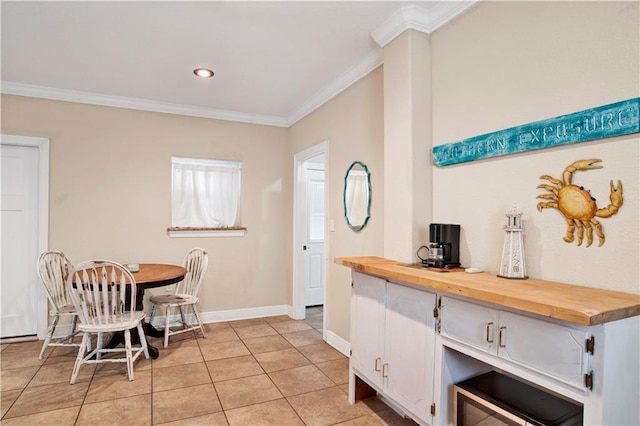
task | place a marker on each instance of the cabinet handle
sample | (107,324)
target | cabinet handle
(488,338)
(385,366)
(377,366)
(501,337)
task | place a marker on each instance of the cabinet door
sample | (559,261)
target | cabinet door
(410,348)
(367,326)
(552,349)
(469,323)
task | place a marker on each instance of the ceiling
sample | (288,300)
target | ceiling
(274,62)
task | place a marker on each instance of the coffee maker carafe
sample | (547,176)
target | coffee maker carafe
(444,246)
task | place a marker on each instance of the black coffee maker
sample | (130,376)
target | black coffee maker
(444,246)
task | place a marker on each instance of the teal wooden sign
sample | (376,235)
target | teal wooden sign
(620,118)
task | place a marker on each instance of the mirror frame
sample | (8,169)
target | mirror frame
(344,196)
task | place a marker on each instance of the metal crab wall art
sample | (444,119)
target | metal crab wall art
(576,203)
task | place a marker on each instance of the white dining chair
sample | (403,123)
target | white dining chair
(53,269)
(104,294)
(185,295)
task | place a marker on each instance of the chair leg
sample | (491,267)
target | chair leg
(183,319)
(99,345)
(153,313)
(74,325)
(79,358)
(47,339)
(197,314)
(143,340)
(167,315)
(127,347)
(90,346)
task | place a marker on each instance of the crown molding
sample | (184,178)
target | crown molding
(20,89)
(417,18)
(371,62)
(408,17)
(446,11)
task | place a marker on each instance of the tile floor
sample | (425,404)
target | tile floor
(265,371)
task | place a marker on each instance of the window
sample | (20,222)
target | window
(205,196)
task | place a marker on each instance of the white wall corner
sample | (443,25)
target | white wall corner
(417,18)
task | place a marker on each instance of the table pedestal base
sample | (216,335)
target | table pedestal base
(118,339)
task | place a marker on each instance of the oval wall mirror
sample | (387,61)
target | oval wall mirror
(357,196)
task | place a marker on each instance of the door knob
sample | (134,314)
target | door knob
(304,247)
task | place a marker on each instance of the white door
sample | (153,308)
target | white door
(19,234)
(314,252)
(315,157)
(367,326)
(410,337)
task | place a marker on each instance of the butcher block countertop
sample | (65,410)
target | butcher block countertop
(566,302)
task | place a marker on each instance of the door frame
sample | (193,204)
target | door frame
(42,144)
(299,202)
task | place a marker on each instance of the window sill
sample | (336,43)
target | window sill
(205,232)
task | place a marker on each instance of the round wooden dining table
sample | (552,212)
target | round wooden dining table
(150,275)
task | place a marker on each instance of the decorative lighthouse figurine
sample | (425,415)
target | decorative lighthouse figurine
(513,265)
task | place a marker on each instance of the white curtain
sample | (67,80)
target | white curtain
(206,195)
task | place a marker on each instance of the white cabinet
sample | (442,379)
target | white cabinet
(409,348)
(550,348)
(393,342)
(367,327)
(397,352)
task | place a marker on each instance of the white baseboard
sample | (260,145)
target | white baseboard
(338,343)
(208,317)
(21,339)
(246,313)
(229,315)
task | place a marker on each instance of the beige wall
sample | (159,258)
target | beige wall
(110,193)
(503,64)
(352,124)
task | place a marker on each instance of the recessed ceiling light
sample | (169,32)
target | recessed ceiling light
(203,72)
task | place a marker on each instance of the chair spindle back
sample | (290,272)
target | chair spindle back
(53,269)
(102,291)
(195,262)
